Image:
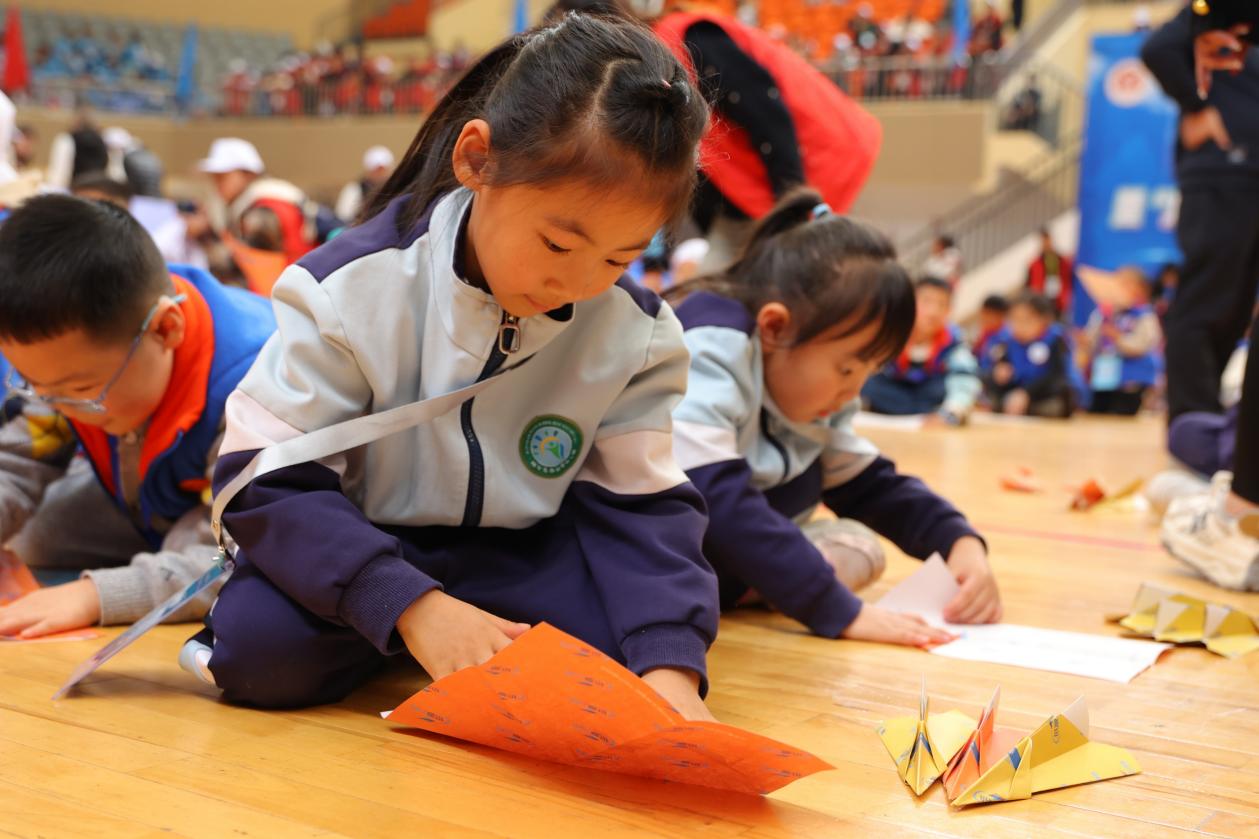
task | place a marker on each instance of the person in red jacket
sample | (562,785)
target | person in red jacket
(262,212)
(777,122)
(1050,275)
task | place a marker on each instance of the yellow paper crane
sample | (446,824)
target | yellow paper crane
(1178,618)
(922,746)
(1057,754)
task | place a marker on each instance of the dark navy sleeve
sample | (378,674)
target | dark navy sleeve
(298,527)
(748,539)
(900,508)
(746,94)
(642,550)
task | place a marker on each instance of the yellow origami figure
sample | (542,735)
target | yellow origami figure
(1181,619)
(1058,754)
(983,763)
(922,746)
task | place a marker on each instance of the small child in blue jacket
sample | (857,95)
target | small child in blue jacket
(1124,348)
(1029,369)
(935,373)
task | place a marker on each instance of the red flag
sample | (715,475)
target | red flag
(17,76)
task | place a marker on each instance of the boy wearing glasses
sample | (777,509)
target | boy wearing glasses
(113,353)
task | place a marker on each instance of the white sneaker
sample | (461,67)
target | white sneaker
(1165,487)
(1224,549)
(195,657)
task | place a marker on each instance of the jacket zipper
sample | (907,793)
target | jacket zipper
(773,441)
(508,342)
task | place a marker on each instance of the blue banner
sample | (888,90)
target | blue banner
(961,30)
(1129,202)
(520,17)
(186,83)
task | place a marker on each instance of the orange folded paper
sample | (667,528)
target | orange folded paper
(552,697)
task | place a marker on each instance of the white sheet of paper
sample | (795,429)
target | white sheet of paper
(928,591)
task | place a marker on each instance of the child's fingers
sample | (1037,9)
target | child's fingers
(46,626)
(511,629)
(914,631)
(968,604)
(936,635)
(13,621)
(499,643)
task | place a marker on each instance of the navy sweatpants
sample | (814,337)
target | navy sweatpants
(886,395)
(271,652)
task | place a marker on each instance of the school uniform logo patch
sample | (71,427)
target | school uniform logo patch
(550,445)
(1038,353)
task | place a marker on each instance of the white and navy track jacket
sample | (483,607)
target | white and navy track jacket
(758,471)
(378,318)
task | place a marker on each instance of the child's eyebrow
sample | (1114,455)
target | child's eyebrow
(574,227)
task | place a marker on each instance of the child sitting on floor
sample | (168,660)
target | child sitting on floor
(113,352)
(1029,368)
(992,315)
(781,345)
(1123,347)
(496,249)
(935,373)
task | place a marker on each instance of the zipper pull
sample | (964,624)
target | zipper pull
(509,334)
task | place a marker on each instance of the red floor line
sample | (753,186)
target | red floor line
(1096,541)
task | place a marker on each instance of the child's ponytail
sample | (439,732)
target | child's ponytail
(798,207)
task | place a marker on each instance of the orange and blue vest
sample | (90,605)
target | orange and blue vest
(906,369)
(225,329)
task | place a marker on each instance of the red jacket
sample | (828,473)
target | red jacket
(839,141)
(1037,274)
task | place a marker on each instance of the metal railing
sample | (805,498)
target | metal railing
(351,96)
(128,96)
(984,226)
(910,79)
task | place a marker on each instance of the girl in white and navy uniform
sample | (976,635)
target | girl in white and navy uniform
(780,348)
(497,247)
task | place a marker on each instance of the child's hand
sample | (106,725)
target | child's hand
(47,610)
(445,634)
(887,627)
(1003,373)
(979,601)
(680,688)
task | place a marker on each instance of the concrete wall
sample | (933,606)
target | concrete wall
(304,19)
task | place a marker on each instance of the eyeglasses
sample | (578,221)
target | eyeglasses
(15,385)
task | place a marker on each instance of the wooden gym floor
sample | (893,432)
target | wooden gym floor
(141,750)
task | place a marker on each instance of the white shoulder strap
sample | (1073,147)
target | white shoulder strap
(341,437)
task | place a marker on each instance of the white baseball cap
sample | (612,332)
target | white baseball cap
(118,138)
(378,157)
(232,154)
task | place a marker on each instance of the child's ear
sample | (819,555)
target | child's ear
(472,154)
(172,327)
(773,322)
